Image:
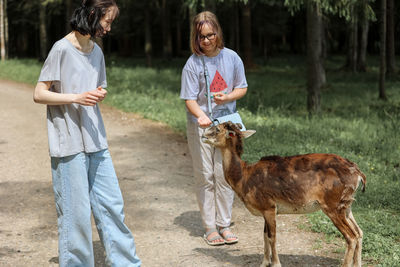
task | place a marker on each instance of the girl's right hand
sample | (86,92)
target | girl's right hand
(204,121)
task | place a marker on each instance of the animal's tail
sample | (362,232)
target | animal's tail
(361,177)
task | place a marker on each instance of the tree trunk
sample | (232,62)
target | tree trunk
(42,30)
(234,41)
(352,50)
(167,39)
(382,68)
(68,13)
(362,55)
(178,37)
(390,28)
(126,46)
(6,29)
(148,48)
(192,10)
(315,69)
(2,34)
(246,33)
(237,28)
(209,5)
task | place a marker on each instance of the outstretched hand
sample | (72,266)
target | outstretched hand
(204,121)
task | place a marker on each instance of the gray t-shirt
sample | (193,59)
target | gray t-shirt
(226,72)
(74,128)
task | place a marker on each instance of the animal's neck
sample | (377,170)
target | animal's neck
(233,166)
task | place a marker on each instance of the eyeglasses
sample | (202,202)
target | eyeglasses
(210,37)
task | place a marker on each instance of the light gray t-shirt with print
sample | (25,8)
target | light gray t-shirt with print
(74,128)
(226,72)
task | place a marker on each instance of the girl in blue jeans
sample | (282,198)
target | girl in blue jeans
(71,83)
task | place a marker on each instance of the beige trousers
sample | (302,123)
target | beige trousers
(214,194)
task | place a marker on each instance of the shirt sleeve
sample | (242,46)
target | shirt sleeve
(240,76)
(189,85)
(102,75)
(51,67)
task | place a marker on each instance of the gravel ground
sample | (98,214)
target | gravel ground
(154,169)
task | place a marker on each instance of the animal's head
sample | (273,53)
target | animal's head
(226,134)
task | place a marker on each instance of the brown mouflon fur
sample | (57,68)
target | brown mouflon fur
(295,184)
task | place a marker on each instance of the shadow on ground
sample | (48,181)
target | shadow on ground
(99,258)
(252,260)
(191,221)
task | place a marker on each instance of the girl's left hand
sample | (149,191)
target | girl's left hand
(220,98)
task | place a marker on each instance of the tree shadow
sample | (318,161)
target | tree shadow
(99,256)
(252,260)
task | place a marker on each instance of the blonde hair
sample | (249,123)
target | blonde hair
(198,22)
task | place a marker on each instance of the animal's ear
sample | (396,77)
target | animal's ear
(248,133)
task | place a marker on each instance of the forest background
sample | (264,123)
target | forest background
(322,77)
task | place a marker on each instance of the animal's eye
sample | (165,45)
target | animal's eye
(218,130)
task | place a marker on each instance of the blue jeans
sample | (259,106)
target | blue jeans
(85,182)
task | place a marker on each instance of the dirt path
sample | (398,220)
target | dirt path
(154,169)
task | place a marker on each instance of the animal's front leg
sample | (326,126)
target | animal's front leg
(270,222)
(267,247)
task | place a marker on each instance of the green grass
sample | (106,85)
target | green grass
(353,124)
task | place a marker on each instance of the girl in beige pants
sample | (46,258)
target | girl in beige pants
(227,82)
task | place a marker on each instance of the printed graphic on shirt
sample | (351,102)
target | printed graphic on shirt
(218,84)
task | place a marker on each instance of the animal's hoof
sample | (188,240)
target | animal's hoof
(265,263)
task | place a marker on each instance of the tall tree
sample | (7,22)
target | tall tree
(148,47)
(210,5)
(357,38)
(68,14)
(364,28)
(2,32)
(166,29)
(316,72)
(43,30)
(192,10)
(390,28)
(352,40)
(246,35)
(382,67)
(233,31)
(6,28)
(315,68)
(178,37)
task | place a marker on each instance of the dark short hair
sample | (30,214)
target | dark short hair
(198,22)
(86,18)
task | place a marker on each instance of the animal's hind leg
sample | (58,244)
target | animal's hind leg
(357,253)
(339,219)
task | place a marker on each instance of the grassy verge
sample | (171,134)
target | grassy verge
(353,124)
